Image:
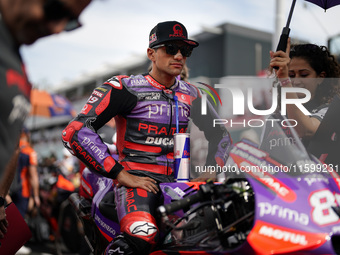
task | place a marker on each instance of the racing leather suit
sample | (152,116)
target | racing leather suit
(144,111)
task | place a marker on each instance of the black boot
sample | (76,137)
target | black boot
(118,246)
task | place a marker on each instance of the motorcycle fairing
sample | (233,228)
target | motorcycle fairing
(293,211)
(99,186)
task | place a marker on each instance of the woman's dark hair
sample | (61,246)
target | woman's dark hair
(320,59)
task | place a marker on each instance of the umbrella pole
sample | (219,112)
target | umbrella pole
(286,30)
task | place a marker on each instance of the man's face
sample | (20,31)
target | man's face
(29,20)
(165,63)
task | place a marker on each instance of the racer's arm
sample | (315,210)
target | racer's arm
(81,138)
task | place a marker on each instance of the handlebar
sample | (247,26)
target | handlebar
(202,194)
(182,203)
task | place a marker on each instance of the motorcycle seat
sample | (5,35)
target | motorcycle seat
(107,207)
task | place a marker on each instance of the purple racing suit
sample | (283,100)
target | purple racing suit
(145,115)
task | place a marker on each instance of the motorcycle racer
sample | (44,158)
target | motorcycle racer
(144,110)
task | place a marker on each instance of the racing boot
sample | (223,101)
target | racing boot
(118,246)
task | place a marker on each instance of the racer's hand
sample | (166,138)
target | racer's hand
(133,181)
(3,222)
(281,60)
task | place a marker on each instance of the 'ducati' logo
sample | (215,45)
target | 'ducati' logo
(204,96)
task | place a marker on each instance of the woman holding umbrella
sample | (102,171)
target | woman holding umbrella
(307,66)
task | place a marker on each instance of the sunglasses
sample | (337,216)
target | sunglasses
(56,10)
(173,49)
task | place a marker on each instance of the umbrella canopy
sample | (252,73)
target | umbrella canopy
(49,105)
(325,4)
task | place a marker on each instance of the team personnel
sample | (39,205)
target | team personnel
(144,110)
(23,22)
(26,181)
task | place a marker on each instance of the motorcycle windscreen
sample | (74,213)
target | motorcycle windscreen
(281,141)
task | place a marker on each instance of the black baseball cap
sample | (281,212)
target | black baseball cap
(169,31)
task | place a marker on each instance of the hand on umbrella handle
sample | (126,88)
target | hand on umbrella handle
(281,60)
(283,42)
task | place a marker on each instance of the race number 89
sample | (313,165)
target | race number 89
(322,202)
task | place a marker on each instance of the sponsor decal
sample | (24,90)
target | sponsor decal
(315,178)
(115,251)
(130,201)
(179,191)
(143,228)
(266,237)
(283,213)
(246,147)
(257,160)
(277,186)
(159,141)
(186,153)
(158,130)
(97,93)
(86,109)
(283,235)
(175,194)
(101,89)
(259,169)
(154,83)
(153,38)
(167,109)
(93,147)
(149,96)
(178,31)
(104,226)
(138,82)
(86,156)
(184,98)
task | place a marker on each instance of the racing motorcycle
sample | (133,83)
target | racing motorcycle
(275,198)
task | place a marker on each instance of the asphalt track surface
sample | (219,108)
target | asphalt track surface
(47,248)
(50,248)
